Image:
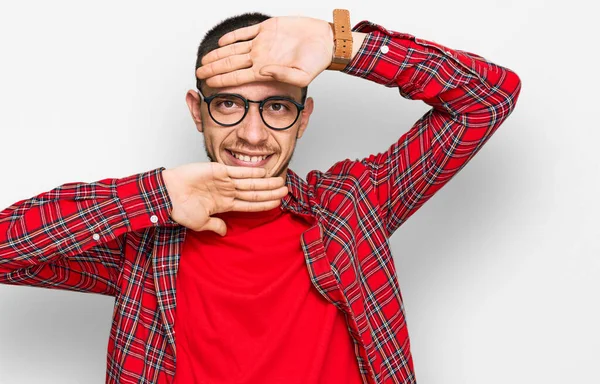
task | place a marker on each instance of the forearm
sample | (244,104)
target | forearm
(76,217)
(453,81)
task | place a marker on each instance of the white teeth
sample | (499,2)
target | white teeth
(248,159)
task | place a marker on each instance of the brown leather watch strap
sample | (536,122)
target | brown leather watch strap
(342,37)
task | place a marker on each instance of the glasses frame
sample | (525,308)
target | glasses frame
(247,102)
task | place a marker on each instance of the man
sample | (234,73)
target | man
(238,270)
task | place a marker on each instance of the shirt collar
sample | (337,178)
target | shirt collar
(297,200)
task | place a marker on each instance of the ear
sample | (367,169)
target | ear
(193,101)
(305,116)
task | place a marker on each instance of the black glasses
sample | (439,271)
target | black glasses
(228,109)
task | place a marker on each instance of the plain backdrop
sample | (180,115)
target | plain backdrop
(499,271)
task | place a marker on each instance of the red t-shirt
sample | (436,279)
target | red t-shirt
(248,313)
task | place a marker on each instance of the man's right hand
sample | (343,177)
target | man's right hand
(199,190)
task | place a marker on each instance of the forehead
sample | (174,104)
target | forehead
(258,90)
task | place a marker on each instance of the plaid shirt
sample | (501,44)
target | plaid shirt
(115,236)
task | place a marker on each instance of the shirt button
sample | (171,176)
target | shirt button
(96,237)
(154,219)
(384,49)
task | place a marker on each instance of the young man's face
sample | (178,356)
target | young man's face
(251,137)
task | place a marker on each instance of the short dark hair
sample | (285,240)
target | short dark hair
(211,39)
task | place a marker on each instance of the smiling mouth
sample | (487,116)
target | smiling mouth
(252,160)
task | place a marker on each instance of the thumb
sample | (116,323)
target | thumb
(216,225)
(286,75)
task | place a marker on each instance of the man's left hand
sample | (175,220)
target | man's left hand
(293,50)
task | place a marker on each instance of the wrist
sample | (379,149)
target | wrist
(167,177)
(359,38)
(330,39)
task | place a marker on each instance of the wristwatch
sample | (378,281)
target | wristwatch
(342,39)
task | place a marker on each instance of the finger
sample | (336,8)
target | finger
(216,225)
(224,65)
(230,79)
(240,34)
(256,196)
(245,206)
(229,50)
(287,75)
(258,184)
(245,172)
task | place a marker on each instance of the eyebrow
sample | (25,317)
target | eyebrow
(289,96)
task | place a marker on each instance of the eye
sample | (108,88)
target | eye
(225,103)
(280,106)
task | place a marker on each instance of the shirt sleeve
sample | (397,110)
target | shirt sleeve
(73,236)
(470,97)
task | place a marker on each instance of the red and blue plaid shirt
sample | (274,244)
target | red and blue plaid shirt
(115,236)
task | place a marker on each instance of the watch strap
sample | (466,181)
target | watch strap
(342,37)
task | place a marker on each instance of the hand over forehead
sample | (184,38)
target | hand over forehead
(293,50)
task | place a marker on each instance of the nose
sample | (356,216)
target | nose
(252,129)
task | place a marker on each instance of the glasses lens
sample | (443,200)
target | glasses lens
(279,113)
(227,109)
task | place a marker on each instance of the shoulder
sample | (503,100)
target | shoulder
(345,180)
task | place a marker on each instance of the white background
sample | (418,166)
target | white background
(499,270)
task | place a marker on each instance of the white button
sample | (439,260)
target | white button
(154,219)
(96,237)
(384,49)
